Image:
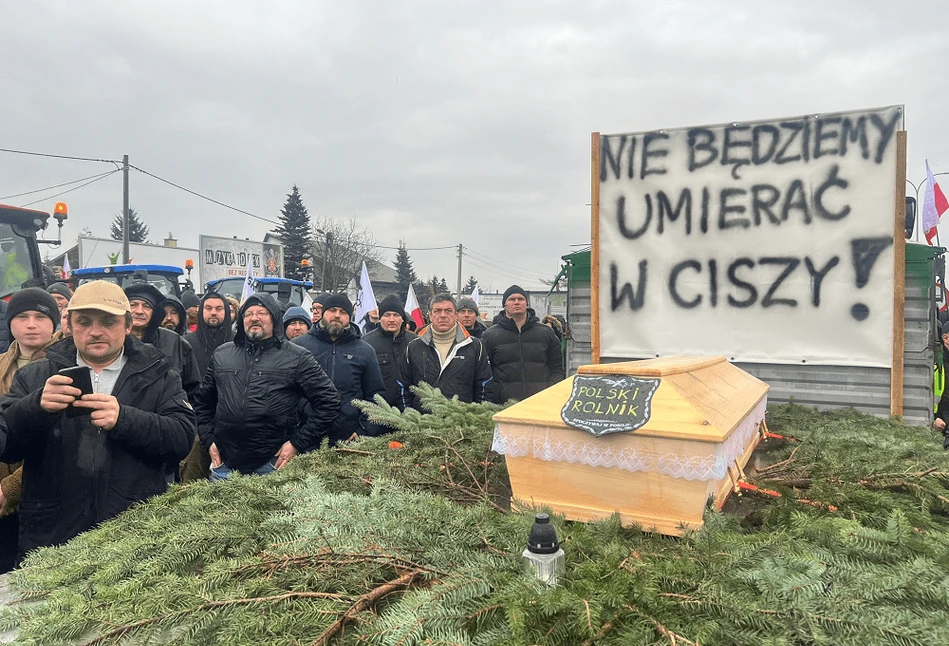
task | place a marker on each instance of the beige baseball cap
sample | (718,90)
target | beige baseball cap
(100,295)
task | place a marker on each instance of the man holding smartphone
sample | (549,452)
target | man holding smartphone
(90,455)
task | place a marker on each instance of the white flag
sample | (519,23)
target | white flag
(66,267)
(475,294)
(365,299)
(248,280)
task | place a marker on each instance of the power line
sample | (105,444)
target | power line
(204,197)
(505,273)
(379,246)
(75,188)
(49,188)
(503,270)
(35,154)
(487,258)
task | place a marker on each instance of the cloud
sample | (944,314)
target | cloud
(433,122)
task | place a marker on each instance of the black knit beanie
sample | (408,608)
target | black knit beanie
(337,300)
(392,303)
(513,289)
(32,299)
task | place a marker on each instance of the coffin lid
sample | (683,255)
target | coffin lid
(699,398)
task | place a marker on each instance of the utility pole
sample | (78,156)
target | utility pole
(460,251)
(125,208)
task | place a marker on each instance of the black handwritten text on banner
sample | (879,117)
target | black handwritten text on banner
(767,241)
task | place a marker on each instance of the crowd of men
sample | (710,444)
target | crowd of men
(185,390)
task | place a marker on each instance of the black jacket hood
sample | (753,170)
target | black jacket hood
(266,300)
(202,326)
(502,319)
(150,293)
(173,300)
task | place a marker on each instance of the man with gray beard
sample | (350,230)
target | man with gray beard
(250,402)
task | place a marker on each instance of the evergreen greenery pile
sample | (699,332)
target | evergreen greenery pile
(295,234)
(407,539)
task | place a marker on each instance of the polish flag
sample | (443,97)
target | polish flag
(934,205)
(66,267)
(412,307)
(475,294)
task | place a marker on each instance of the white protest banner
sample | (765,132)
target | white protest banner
(228,257)
(768,241)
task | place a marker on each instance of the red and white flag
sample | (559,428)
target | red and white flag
(412,307)
(66,267)
(934,205)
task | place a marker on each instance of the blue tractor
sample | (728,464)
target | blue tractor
(289,292)
(166,278)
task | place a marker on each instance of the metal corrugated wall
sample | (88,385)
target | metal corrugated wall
(865,389)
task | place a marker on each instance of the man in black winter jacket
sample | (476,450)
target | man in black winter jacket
(249,404)
(214,330)
(148,311)
(525,355)
(446,357)
(81,470)
(389,341)
(174,315)
(470,318)
(350,362)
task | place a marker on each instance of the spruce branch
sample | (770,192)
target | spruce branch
(122,631)
(364,602)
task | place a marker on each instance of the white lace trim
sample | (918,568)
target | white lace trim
(585,450)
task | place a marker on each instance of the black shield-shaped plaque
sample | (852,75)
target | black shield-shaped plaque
(606,404)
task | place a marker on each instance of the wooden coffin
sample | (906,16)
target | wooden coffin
(690,440)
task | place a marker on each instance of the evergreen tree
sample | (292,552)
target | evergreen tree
(405,272)
(294,232)
(438,285)
(470,285)
(138,230)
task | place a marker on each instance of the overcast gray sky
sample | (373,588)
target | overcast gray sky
(434,122)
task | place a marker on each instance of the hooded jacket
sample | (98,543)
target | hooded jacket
(390,352)
(205,340)
(76,476)
(173,300)
(466,373)
(477,329)
(249,402)
(525,361)
(171,344)
(352,365)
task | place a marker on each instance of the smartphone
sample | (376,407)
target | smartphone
(81,380)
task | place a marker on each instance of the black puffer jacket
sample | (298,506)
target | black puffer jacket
(352,365)
(466,374)
(524,361)
(390,351)
(205,340)
(249,402)
(76,476)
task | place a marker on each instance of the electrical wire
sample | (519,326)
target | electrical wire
(503,271)
(34,154)
(204,197)
(487,258)
(75,188)
(49,188)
